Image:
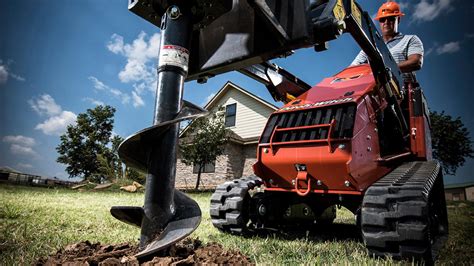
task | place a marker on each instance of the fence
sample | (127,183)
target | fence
(32,180)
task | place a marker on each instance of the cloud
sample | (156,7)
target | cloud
(141,55)
(17,77)
(56,125)
(115,45)
(404,6)
(20,140)
(139,69)
(140,88)
(137,100)
(93,101)
(140,49)
(448,48)
(429,51)
(21,145)
(426,11)
(21,150)
(99,85)
(57,120)
(134,71)
(45,105)
(3,74)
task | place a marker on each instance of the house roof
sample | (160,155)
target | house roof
(459,185)
(221,93)
(228,86)
(7,169)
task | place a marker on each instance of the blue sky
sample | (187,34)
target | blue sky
(59,58)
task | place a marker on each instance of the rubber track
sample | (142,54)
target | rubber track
(395,212)
(227,209)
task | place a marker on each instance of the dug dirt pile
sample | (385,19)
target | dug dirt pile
(185,252)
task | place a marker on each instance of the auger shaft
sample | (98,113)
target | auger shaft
(159,205)
(168,215)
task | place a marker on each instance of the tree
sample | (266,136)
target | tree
(83,142)
(116,162)
(135,175)
(206,139)
(450,141)
(114,168)
(105,170)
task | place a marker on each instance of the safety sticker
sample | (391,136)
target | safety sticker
(356,13)
(174,55)
(339,12)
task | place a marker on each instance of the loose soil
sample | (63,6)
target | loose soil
(186,252)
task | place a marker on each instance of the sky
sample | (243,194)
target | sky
(60,58)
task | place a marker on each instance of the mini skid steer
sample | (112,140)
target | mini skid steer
(359,139)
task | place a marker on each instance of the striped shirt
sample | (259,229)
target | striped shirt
(401,47)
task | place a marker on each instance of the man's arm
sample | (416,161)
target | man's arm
(413,63)
(361,58)
(415,52)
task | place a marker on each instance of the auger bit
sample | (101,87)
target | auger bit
(168,215)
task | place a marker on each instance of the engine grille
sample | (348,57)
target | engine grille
(342,114)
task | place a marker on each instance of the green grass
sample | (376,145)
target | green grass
(35,222)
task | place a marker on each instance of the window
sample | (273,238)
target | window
(208,168)
(230,111)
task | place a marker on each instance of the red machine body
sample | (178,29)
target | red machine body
(327,139)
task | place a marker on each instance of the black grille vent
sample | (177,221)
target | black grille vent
(343,115)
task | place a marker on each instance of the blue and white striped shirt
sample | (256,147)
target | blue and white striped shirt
(401,47)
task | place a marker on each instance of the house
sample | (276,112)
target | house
(455,192)
(245,115)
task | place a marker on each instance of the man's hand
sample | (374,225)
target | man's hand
(413,63)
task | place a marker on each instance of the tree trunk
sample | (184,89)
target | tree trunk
(199,176)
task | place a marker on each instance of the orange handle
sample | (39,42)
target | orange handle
(271,139)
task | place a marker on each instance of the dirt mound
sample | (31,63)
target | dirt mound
(187,251)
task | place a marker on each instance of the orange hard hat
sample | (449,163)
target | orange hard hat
(389,9)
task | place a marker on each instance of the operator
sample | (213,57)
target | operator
(407,50)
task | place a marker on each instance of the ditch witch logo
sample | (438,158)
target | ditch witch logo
(310,105)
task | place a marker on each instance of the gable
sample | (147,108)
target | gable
(251,115)
(252,112)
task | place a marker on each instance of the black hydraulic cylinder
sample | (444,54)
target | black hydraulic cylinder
(159,205)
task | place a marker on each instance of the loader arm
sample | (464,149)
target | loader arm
(282,85)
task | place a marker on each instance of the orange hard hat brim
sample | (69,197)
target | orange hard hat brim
(378,17)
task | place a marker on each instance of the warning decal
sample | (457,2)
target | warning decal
(174,55)
(317,104)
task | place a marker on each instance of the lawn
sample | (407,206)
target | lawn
(37,221)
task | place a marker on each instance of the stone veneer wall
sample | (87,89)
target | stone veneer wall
(250,155)
(236,162)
